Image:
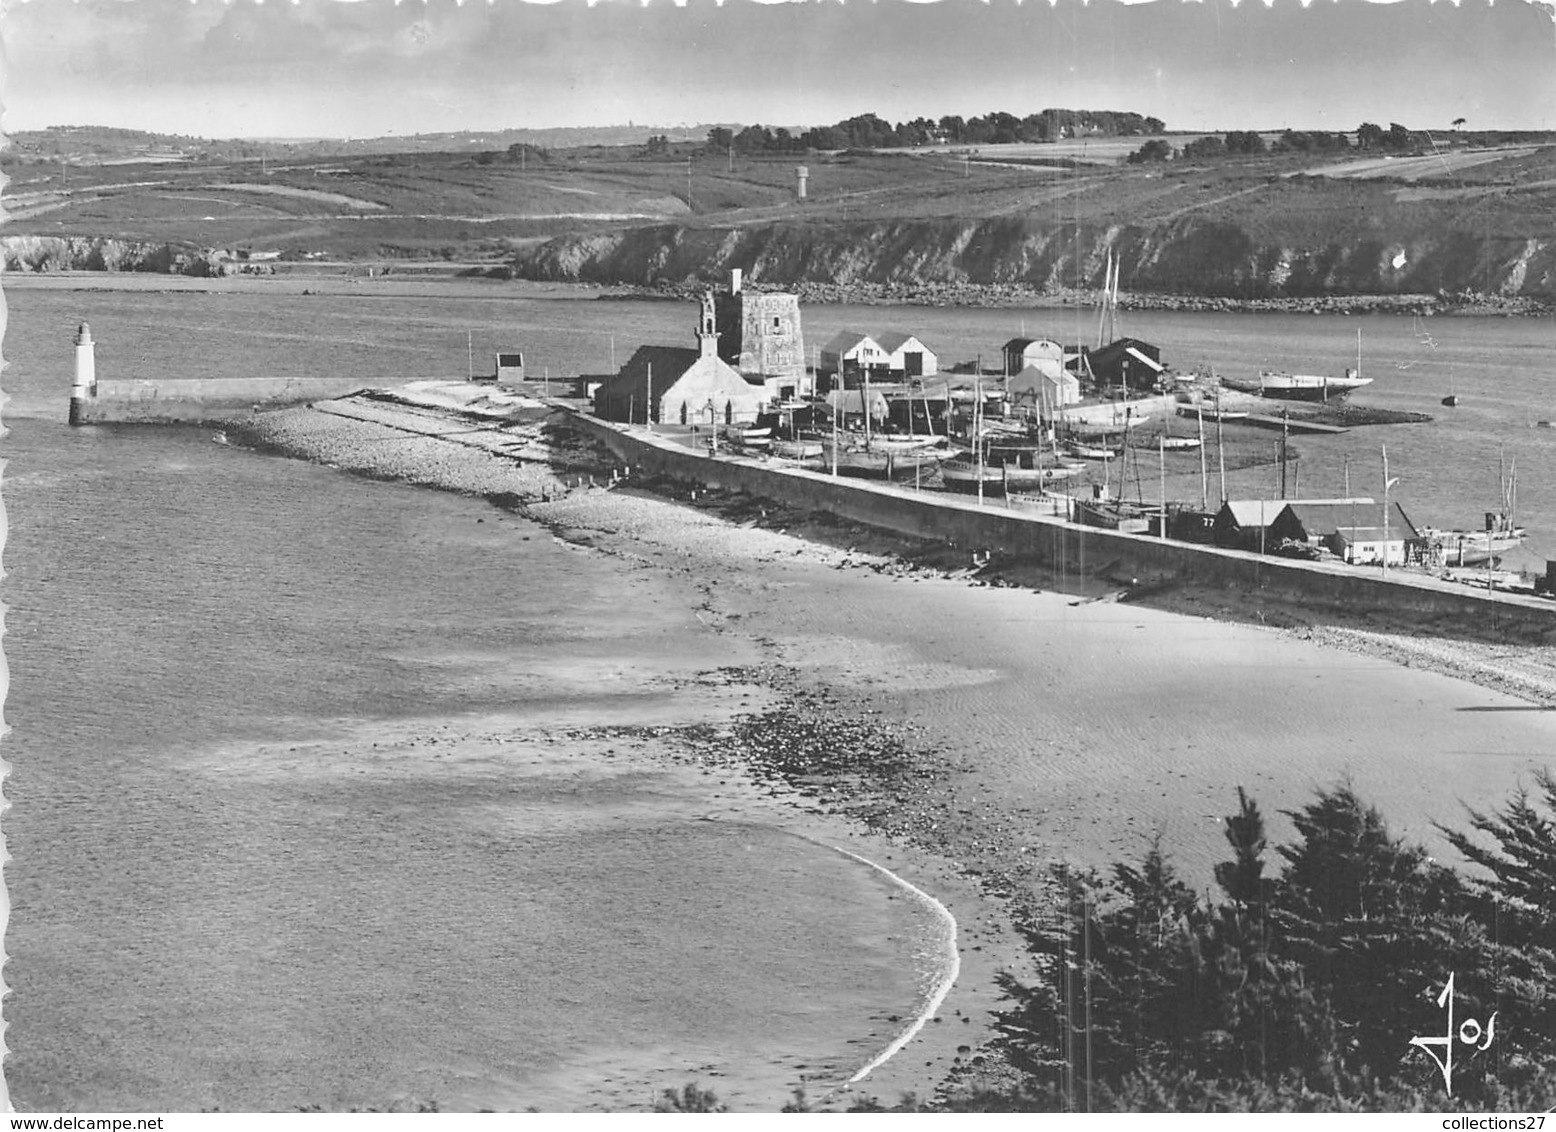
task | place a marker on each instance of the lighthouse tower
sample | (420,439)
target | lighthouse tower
(85,386)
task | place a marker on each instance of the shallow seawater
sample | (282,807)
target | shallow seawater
(299,815)
(296,815)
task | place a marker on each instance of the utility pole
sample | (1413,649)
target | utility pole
(689,207)
(1387,483)
(1284,434)
(1161,464)
(470,355)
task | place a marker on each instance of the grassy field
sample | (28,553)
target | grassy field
(481,207)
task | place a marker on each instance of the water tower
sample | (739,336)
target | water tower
(800,174)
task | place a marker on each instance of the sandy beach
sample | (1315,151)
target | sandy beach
(1010,728)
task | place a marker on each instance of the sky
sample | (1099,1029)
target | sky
(361,68)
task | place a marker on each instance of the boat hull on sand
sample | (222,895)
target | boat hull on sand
(871,463)
(1298,386)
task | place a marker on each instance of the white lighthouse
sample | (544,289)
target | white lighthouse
(85,385)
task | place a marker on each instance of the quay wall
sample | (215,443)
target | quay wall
(1072,552)
(201,399)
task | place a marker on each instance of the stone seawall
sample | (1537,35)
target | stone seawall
(1072,553)
(206,399)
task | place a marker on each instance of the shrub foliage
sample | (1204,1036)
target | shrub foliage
(1301,988)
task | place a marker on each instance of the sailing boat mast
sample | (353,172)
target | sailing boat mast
(978,431)
(1105,330)
(865,398)
(1220,448)
(1204,479)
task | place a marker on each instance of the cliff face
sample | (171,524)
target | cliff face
(1188,257)
(97,253)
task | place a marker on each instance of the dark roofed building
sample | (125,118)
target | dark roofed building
(1128,362)
(1358,531)
(1244,524)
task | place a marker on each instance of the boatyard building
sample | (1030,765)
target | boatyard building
(1043,353)
(1037,390)
(1128,362)
(849,355)
(907,358)
(1358,531)
(1244,524)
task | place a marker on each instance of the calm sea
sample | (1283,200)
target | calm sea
(169,596)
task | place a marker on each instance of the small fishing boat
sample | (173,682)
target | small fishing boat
(875,463)
(747,436)
(1029,479)
(748,432)
(797,449)
(1180,443)
(1093,451)
(1110,514)
(966,474)
(1211,413)
(896,442)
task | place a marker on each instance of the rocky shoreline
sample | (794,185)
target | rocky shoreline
(1008,295)
(96,273)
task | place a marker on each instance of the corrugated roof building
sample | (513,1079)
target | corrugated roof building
(1023,352)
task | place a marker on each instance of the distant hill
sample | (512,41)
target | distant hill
(1443,218)
(93,145)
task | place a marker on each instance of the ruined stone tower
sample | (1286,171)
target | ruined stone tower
(760,335)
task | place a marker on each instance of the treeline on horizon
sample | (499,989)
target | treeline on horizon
(868,131)
(1369,136)
(861,132)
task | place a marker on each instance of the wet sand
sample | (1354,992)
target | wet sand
(1084,727)
(1041,726)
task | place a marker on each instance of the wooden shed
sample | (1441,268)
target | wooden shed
(849,353)
(907,357)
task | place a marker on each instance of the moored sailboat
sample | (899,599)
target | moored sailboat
(1500,534)
(1302,386)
